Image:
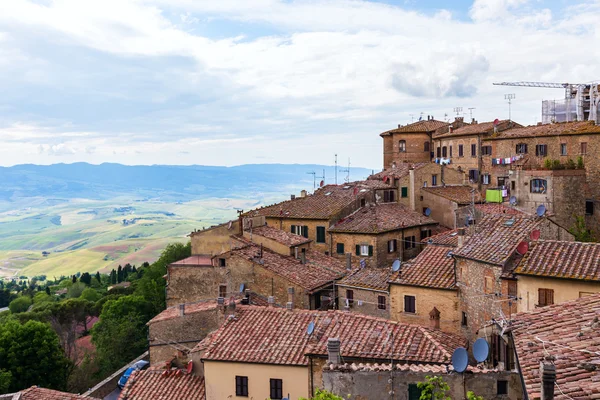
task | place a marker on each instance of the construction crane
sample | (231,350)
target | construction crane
(586,95)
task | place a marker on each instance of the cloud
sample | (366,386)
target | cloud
(56,150)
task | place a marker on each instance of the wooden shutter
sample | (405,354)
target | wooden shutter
(404,192)
(414,393)
(305,231)
(293,228)
(386,196)
(549,296)
(395,244)
(370,251)
(358,250)
(392,196)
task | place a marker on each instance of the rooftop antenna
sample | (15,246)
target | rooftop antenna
(347,171)
(471,112)
(335,169)
(314,174)
(510,97)
(412,118)
(421,116)
(458,110)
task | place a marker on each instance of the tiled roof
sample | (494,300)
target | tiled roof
(279,336)
(280,236)
(457,193)
(368,278)
(497,208)
(564,128)
(474,129)
(401,170)
(558,259)
(381,217)
(38,393)
(433,268)
(190,308)
(447,238)
(325,203)
(569,332)
(194,261)
(496,238)
(318,271)
(160,384)
(417,127)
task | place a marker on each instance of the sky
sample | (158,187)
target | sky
(271,81)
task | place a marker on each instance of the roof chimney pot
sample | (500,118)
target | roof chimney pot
(548,372)
(333,351)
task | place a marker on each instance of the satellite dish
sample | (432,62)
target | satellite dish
(230,225)
(460,359)
(396,265)
(430,240)
(541,210)
(481,350)
(522,248)
(311,328)
(467,220)
(321,183)
(496,122)
(190,367)
(513,200)
(535,234)
(363,263)
(242,287)
(427,212)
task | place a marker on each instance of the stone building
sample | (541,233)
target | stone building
(378,234)
(366,291)
(443,201)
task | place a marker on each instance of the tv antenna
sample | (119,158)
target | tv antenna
(314,174)
(471,112)
(412,118)
(510,97)
(458,110)
(347,171)
(335,169)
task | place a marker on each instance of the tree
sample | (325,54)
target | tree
(74,278)
(76,290)
(48,290)
(113,276)
(19,305)
(119,274)
(473,396)
(580,231)
(324,395)
(434,388)
(6,297)
(5,378)
(90,294)
(31,353)
(86,278)
(42,297)
(98,278)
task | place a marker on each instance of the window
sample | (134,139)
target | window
(339,248)
(409,242)
(439,152)
(589,207)
(364,250)
(381,302)
(426,147)
(538,186)
(305,231)
(414,393)
(473,150)
(320,234)
(402,146)
(541,150)
(276,389)
(300,230)
(473,175)
(389,196)
(460,150)
(583,148)
(221,262)
(223,291)
(563,149)
(521,148)
(512,289)
(404,192)
(502,387)
(363,202)
(463,320)
(433,180)
(444,152)
(409,304)
(350,296)
(241,386)
(545,297)
(488,285)
(450,147)
(425,233)
(513,185)
(392,245)
(485,179)
(486,150)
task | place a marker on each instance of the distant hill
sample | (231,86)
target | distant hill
(161,182)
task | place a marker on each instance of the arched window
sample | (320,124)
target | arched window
(402,146)
(426,147)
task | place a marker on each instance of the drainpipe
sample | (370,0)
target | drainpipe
(412,188)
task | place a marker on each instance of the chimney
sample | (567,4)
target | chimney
(303,257)
(434,319)
(461,237)
(450,128)
(220,301)
(231,306)
(293,197)
(181,310)
(548,372)
(291,296)
(333,351)
(348,261)
(473,121)
(289,306)
(271,301)
(296,253)
(303,193)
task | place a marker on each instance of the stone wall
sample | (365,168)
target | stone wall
(274,245)
(285,224)
(368,298)
(442,209)
(415,148)
(109,384)
(215,240)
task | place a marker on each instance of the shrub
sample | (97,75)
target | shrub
(556,164)
(571,164)
(19,305)
(548,163)
(580,163)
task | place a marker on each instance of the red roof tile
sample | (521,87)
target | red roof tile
(368,278)
(569,332)
(417,127)
(458,194)
(318,271)
(475,129)
(565,128)
(194,261)
(381,217)
(447,238)
(401,170)
(280,236)
(325,203)
(498,208)
(164,385)
(496,238)
(433,268)
(190,308)
(558,259)
(279,336)
(38,393)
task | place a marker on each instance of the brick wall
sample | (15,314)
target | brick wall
(467,161)
(442,209)
(369,298)
(415,145)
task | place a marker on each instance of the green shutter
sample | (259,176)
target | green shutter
(340,248)
(357,250)
(370,251)
(404,192)
(293,228)
(414,393)
(305,233)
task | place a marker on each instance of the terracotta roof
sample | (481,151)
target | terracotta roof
(381,217)
(190,308)
(325,203)
(38,393)
(433,268)
(474,129)
(280,236)
(368,278)
(498,208)
(194,261)
(564,128)
(447,238)
(496,238)
(163,384)
(457,193)
(558,259)
(401,170)
(279,336)
(570,332)
(318,271)
(417,127)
